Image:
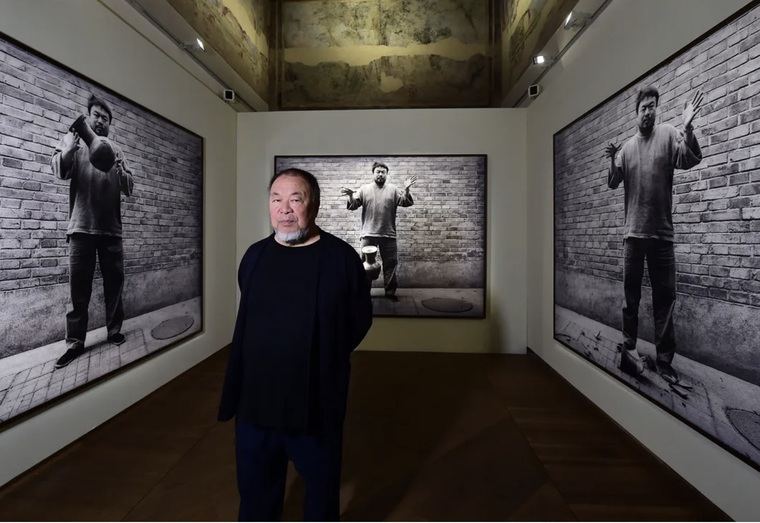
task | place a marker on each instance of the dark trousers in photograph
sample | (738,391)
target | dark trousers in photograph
(389,256)
(84,249)
(660,258)
(262,460)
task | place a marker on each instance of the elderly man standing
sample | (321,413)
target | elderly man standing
(379,201)
(94,228)
(305,306)
(645,164)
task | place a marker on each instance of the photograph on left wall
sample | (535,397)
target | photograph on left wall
(101,231)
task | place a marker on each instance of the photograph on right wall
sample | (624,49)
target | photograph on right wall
(657,235)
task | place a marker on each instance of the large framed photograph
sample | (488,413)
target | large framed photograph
(657,235)
(418,222)
(101,223)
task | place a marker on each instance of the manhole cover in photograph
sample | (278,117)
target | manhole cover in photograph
(447,304)
(747,423)
(171,327)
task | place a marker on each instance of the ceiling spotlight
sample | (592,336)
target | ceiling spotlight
(576,20)
(539,59)
(195,46)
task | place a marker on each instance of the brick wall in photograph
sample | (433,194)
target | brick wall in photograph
(716,205)
(446,224)
(162,220)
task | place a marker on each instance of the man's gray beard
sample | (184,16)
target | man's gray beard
(292,238)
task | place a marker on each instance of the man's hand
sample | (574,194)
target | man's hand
(345,191)
(68,147)
(611,150)
(409,182)
(70,141)
(690,110)
(615,175)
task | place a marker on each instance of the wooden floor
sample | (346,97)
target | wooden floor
(427,437)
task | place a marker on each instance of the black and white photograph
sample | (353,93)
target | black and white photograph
(418,222)
(101,209)
(657,235)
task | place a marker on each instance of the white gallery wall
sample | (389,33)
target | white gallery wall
(103,41)
(629,38)
(499,133)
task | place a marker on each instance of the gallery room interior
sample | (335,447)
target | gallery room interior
(495,382)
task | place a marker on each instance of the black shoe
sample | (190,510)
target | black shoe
(392,297)
(667,372)
(631,363)
(68,356)
(117,339)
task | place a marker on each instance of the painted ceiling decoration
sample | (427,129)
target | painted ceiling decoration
(384,53)
(332,54)
(526,26)
(238,31)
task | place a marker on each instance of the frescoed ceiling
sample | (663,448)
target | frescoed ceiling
(339,54)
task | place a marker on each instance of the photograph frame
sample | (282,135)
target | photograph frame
(63,397)
(484,278)
(664,62)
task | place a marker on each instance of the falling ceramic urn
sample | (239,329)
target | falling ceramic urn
(371,265)
(102,154)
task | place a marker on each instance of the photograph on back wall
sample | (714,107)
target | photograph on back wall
(101,221)
(418,222)
(657,235)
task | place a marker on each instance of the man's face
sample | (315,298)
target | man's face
(381,174)
(289,209)
(647,114)
(99,120)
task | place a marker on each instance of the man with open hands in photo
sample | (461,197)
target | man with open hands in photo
(379,201)
(645,164)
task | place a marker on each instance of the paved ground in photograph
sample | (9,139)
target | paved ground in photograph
(30,378)
(720,404)
(418,302)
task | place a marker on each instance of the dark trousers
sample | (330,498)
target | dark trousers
(83,250)
(262,460)
(660,257)
(389,256)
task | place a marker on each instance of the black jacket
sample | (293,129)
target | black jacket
(343,314)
